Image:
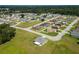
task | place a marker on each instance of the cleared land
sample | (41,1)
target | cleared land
(23,43)
(50,33)
(28,24)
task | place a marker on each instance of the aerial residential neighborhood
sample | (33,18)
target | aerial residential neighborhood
(39,31)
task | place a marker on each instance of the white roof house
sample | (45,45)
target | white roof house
(40,41)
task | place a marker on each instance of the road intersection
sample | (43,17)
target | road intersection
(53,38)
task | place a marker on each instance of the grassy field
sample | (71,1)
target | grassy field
(22,43)
(28,24)
(68,44)
(50,33)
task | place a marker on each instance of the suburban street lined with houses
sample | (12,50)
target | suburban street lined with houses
(43,22)
(53,38)
(33,29)
(60,35)
(28,29)
(51,24)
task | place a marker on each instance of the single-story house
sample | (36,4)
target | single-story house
(1,22)
(74,33)
(40,41)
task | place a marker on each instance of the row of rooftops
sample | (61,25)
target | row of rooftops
(27,16)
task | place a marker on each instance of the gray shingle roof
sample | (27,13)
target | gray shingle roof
(75,34)
(40,40)
(1,21)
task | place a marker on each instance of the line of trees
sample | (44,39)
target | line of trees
(67,10)
(6,33)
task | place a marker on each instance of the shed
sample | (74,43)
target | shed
(40,41)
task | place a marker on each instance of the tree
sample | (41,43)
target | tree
(6,33)
(22,15)
(42,20)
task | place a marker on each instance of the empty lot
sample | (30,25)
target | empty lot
(23,43)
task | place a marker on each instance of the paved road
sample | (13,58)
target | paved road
(60,35)
(53,38)
(47,36)
(43,22)
(41,34)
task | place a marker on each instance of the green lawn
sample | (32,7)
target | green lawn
(50,33)
(28,24)
(68,44)
(22,43)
